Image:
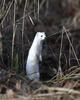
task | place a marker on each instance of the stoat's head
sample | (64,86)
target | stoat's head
(41,35)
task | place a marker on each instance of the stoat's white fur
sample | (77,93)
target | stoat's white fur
(34,56)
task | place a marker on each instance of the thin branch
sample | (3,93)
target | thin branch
(23,32)
(35,9)
(31,20)
(42,3)
(69,55)
(14,32)
(60,69)
(47,6)
(17,21)
(7,13)
(71,45)
(38,10)
(67,30)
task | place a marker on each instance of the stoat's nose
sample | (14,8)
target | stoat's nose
(45,37)
(44,34)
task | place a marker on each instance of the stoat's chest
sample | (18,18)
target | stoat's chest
(34,53)
(36,48)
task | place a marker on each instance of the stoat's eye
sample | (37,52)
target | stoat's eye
(41,35)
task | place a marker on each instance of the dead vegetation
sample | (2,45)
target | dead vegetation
(60,69)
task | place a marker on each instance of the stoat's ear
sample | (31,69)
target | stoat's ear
(38,34)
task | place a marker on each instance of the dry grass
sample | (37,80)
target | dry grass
(20,29)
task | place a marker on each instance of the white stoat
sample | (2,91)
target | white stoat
(34,56)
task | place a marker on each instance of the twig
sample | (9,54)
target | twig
(3,4)
(17,21)
(42,3)
(69,55)
(60,69)
(23,32)
(31,20)
(7,13)
(34,9)
(59,32)
(14,32)
(47,6)
(38,10)
(71,45)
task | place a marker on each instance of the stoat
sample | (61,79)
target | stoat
(34,56)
